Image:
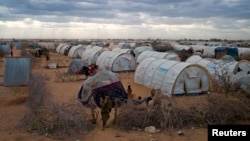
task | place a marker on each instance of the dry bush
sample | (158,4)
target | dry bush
(58,120)
(222,79)
(65,77)
(50,119)
(245,56)
(162,47)
(24,52)
(34,61)
(163,115)
(222,110)
(168,114)
(39,93)
(61,61)
(225,87)
(130,117)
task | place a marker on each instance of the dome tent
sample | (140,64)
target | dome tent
(104,82)
(227,58)
(130,51)
(76,66)
(156,54)
(116,61)
(121,50)
(64,48)
(244,83)
(140,49)
(173,78)
(58,48)
(207,51)
(213,65)
(5,48)
(89,56)
(76,51)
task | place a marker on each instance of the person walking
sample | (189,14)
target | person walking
(106,107)
(129,91)
(11,52)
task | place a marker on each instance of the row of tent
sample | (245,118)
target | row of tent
(161,70)
(164,70)
(192,76)
(238,72)
(109,60)
(215,51)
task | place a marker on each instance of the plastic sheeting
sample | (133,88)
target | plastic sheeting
(89,56)
(76,51)
(219,67)
(140,49)
(172,77)
(116,61)
(104,82)
(156,54)
(76,66)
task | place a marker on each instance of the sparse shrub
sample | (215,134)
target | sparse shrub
(162,47)
(58,120)
(223,77)
(245,56)
(211,109)
(24,52)
(39,93)
(50,119)
(222,110)
(164,116)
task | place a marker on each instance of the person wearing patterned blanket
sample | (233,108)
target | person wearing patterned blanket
(114,90)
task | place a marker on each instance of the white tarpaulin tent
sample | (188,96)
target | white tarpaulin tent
(58,48)
(123,45)
(47,45)
(63,48)
(76,66)
(208,51)
(89,56)
(156,54)
(173,77)
(121,50)
(242,50)
(215,66)
(116,61)
(76,51)
(140,49)
(5,48)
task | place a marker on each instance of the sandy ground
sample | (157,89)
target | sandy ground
(11,111)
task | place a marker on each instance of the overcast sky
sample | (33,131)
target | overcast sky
(134,19)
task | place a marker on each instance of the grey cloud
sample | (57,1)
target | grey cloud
(124,11)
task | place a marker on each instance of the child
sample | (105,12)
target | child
(106,107)
(129,90)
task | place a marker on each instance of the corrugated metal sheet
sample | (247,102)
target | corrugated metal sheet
(16,71)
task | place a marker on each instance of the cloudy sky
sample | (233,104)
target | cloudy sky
(134,19)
